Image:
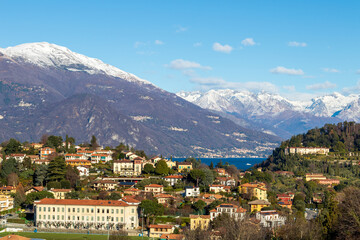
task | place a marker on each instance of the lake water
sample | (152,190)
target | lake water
(240,163)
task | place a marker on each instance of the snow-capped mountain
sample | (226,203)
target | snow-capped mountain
(48,89)
(331,105)
(45,54)
(275,114)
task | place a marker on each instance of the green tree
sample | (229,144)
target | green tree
(93,143)
(54,142)
(57,169)
(148,168)
(9,166)
(40,174)
(151,208)
(199,206)
(162,168)
(72,175)
(13,146)
(196,175)
(114,196)
(31,197)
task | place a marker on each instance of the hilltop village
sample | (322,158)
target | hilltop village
(56,186)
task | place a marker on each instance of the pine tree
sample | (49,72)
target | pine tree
(56,170)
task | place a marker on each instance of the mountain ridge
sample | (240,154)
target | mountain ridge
(33,90)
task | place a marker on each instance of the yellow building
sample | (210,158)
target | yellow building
(155,231)
(201,222)
(184,166)
(257,190)
(59,193)
(257,205)
(78,162)
(6,202)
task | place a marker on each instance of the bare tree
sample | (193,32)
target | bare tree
(299,228)
(12,179)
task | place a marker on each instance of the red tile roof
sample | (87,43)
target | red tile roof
(160,226)
(60,190)
(154,186)
(81,202)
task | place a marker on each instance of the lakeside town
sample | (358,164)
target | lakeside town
(57,186)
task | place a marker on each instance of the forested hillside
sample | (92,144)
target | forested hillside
(343,140)
(341,137)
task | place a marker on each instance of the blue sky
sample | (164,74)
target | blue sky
(299,49)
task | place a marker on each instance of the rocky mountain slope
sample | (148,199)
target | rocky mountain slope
(48,89)
(275,114)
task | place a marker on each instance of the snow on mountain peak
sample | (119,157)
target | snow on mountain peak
(45,54)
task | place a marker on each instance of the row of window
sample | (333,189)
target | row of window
(83,218)
(83,210)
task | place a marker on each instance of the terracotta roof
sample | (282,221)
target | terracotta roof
(160,226)
(154,185)
(132,190)
(38,188)
(259,202)
(200,216)
(60,190)
(73,155)
(130,199)
(14,237)
(184,163)
(163,195)
(174,176)
(172,236)
(81,202)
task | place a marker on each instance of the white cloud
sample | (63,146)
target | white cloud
(158,42)
(290,88)
(358,71)
(331,70)
(288,71)
(297,44)
(207,83)
(139,44)
(181,29)
(321,86)
(181,64)
(248,42)
(198,44)
(222,48)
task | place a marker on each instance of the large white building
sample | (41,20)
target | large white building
(236,212)
(306,150)
(270,219)
(127,167)
(85,214)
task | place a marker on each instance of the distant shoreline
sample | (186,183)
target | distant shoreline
(240,163)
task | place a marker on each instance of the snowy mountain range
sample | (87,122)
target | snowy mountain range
(276,114)
(48,89)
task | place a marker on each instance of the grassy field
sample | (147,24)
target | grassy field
(62,236)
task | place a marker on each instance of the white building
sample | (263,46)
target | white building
(85,214)
(127,167)
(173,179)
(192,191)
(306,150)
(270,219)
(226,208)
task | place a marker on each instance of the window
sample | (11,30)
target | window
(92,210)
(39,216)
(73,217)
(92,218)
(117,211)
(132,210)
(62,217)
(82,218)
(78,210)
(68,217)
(103,211)
(107,210)
(39,209)
(122,211)
(73,209)
(44,217)
(58,217)
(53,209)
(49,209)
(112,210)
(69,209)
(121,219)
(63,209)
(49,217)
(103,218)
(82,210)
(98,219)
(58,209)
(117,219)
